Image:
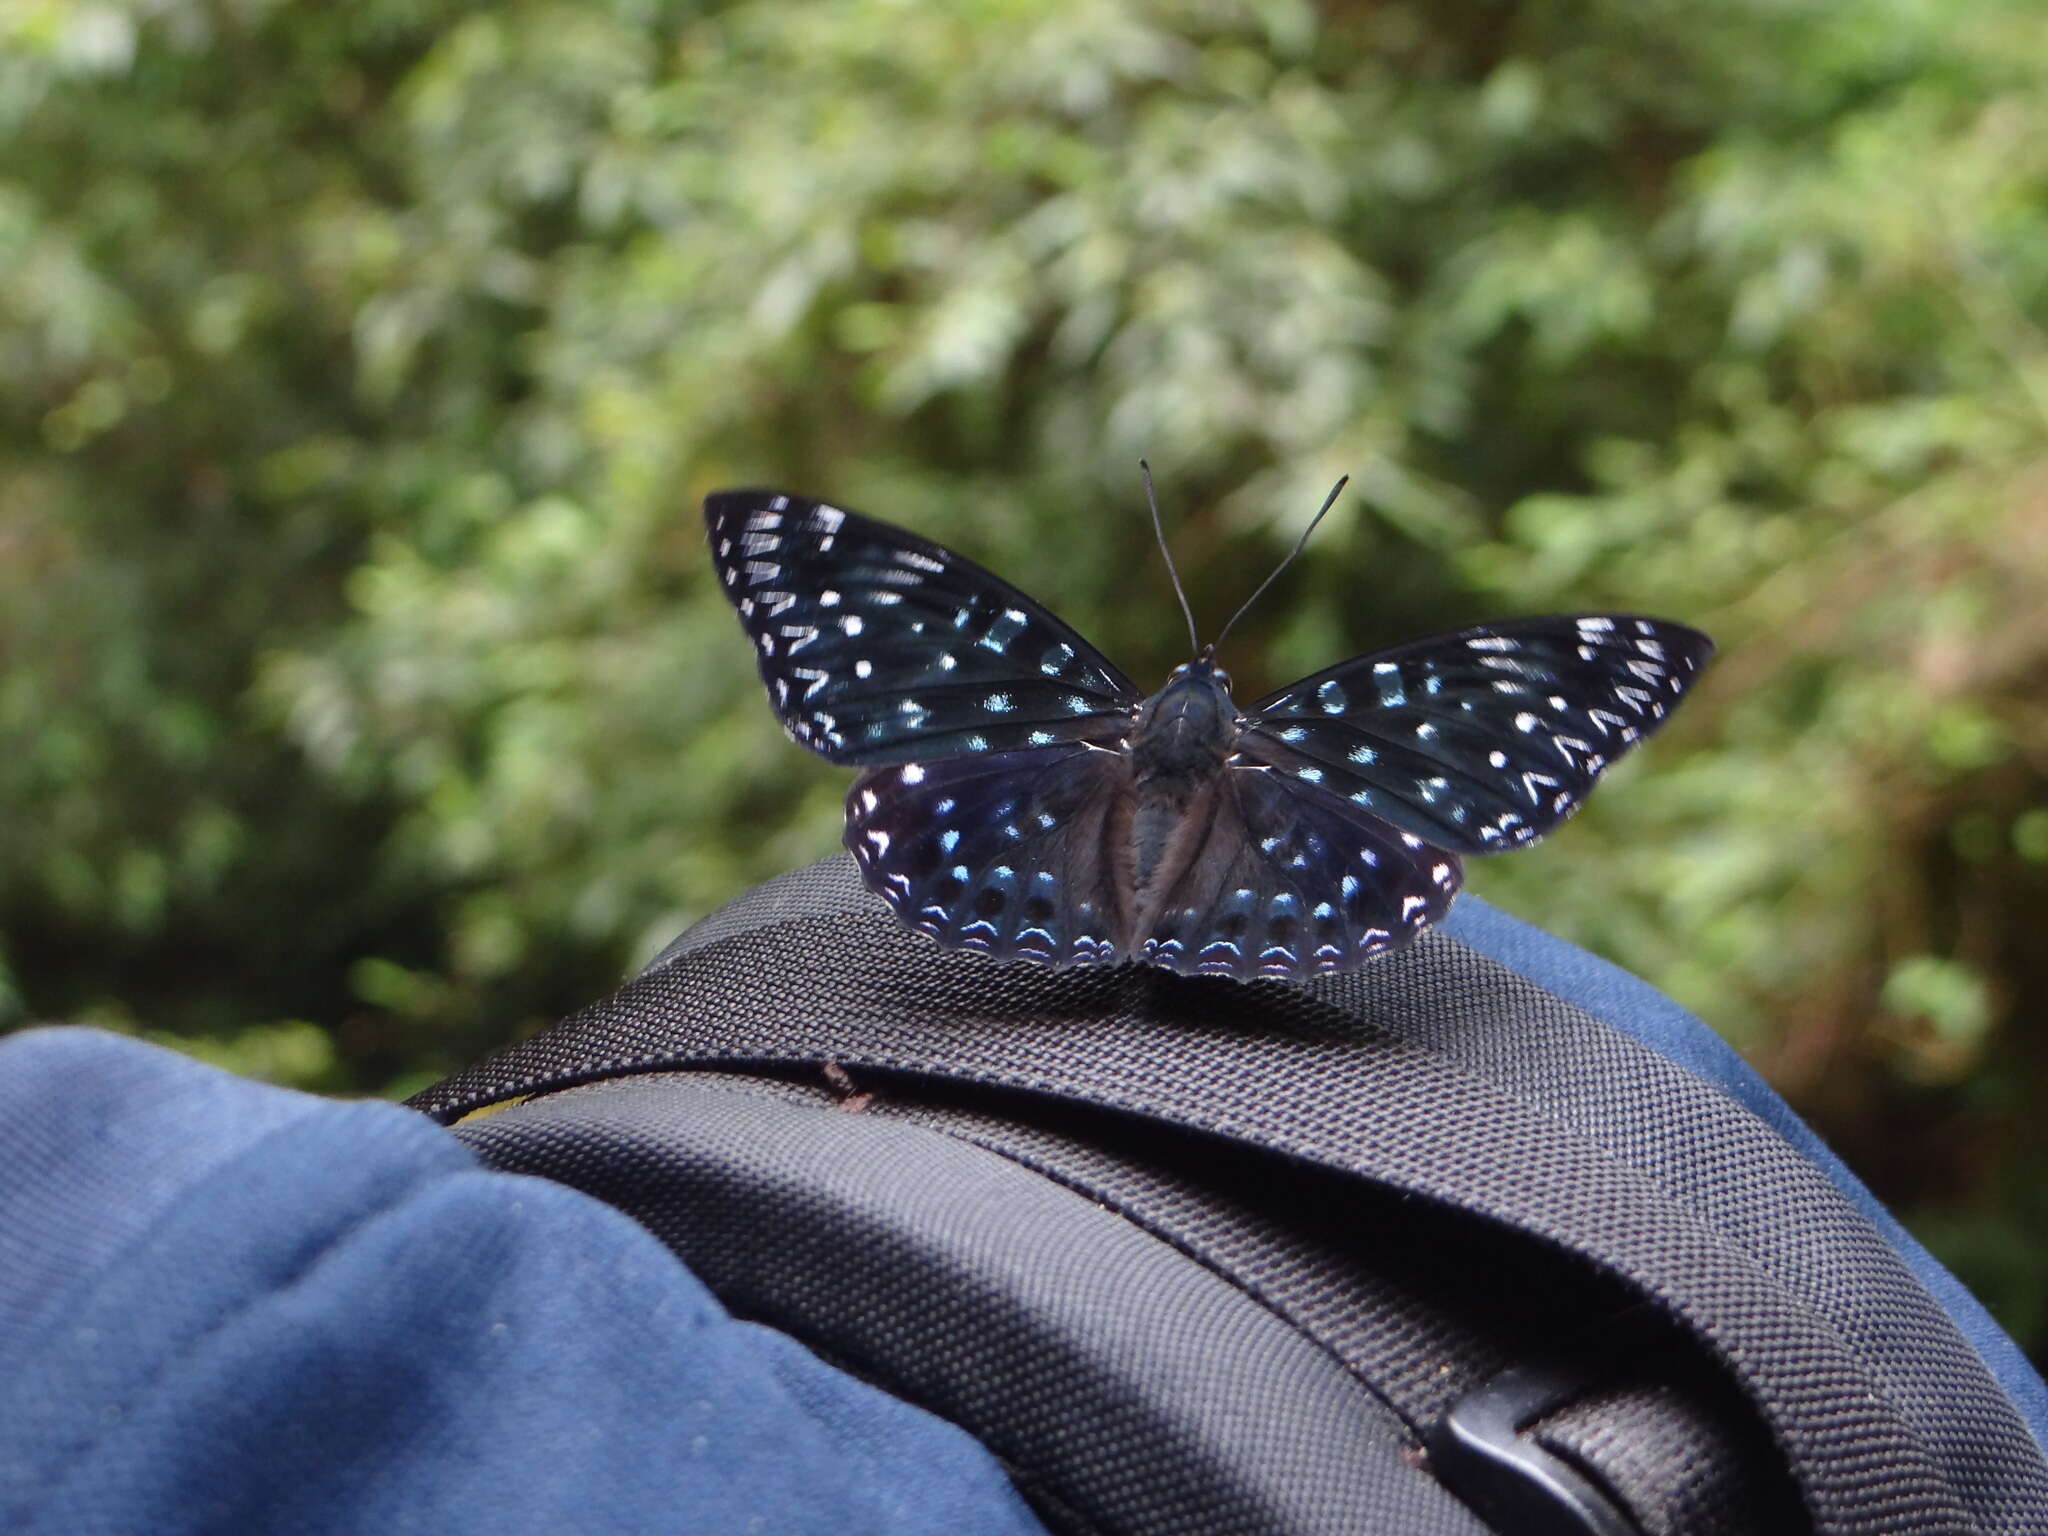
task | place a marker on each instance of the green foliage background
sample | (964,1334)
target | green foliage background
(363,697)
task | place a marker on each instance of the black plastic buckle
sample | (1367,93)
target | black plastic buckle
(1479,1452)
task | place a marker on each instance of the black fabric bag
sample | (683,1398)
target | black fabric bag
(1420,1250)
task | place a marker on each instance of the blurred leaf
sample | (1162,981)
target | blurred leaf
(1948,995)
(293,1053)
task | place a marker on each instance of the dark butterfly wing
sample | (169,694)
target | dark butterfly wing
(1485,739)
(1007,853)
(878,646)
(1289,881)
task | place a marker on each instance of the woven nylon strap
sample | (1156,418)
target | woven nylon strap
(1435,1074)
(1123,1387)
(1409,1297)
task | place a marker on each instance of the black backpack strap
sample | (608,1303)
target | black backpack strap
(1435,1075)
(1124,1387)
(1409,1296)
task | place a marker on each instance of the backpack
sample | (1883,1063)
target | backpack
(1427,1248)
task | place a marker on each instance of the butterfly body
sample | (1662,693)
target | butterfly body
(1179,745)
(1020,798)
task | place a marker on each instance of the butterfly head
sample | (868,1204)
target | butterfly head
(1200,671)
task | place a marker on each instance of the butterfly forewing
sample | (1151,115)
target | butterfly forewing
(878,646)
(1485,739)
(1289,882)
(1007,853)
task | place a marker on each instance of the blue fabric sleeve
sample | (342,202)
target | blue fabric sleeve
(231,1308)
(1638,1009)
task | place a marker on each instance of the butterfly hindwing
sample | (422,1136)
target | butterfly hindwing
(1485,739)
(1005,853)
(878,646)
(1290,882)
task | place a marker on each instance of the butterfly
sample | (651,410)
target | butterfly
(1020,797)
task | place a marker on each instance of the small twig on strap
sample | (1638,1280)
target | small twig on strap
(850,1098)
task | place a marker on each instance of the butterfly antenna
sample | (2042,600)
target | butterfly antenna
(1194,644)
(1329,501)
